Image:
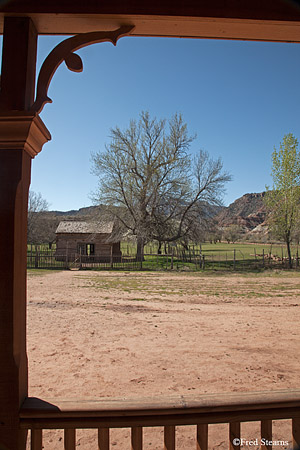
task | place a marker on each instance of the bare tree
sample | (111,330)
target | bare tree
(189,214)
(36,206)
(151,184)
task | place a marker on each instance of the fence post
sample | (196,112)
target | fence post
(296,432)
(233,259)
(111,257)
(36,265)
(172,259)
(141,260)
(67,256)
(203,262)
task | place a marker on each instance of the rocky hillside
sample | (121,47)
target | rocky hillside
(247,211)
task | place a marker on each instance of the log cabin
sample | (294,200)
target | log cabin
(91,241)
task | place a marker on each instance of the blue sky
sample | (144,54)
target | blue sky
(240,98)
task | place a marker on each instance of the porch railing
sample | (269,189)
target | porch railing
(233,409)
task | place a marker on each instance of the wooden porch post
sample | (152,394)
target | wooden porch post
(22,135)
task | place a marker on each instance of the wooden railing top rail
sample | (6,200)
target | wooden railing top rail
(159,411)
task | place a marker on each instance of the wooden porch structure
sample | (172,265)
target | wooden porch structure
(22,136)
(170,413)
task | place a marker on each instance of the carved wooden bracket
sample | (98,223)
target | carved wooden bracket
(64,52)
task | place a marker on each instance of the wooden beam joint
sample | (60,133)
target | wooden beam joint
(22,130)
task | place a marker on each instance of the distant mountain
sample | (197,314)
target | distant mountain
(247,211)
(86,211)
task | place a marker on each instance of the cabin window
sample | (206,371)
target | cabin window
(86,249)
(90,249)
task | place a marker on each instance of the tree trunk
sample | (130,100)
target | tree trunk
(159,247)
(140,249)
(289,254)
(185,246)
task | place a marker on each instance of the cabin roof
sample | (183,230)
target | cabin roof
(82,227)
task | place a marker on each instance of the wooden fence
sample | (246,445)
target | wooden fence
(233,260)
(50,259)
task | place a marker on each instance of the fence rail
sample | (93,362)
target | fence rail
(178,260)
(172,412)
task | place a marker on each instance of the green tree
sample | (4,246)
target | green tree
(232,233)
(151,184)
(283,200)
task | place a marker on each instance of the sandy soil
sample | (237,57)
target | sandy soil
(108,334)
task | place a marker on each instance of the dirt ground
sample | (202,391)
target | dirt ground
(108,334)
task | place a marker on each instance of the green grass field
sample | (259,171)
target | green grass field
(245,249)
(219,256)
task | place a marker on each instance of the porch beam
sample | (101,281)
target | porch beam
(18,64)
(275,19)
